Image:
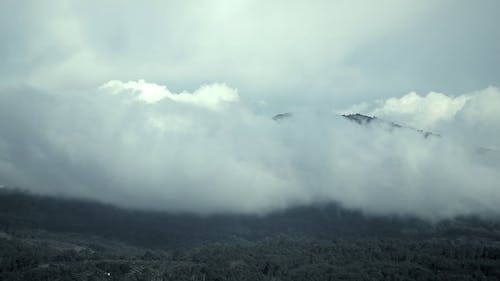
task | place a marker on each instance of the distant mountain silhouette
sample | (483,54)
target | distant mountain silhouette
(282,116)
(363,120)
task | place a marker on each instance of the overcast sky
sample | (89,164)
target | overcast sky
(283,52)
(168,104)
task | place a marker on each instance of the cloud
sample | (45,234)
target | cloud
(423,112)
(267,48)
(482,109)
(214,147)
(213,96)
(137,144)
(435,111)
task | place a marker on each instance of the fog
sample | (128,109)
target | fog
(137,144)
(169,105)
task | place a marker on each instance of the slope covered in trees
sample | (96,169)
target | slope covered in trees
(48,238)
(270,259)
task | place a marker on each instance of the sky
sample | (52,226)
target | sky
(168,104)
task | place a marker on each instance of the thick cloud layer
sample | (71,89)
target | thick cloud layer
(138,144)
(75,119)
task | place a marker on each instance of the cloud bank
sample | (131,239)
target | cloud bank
(471,117)
(138,144)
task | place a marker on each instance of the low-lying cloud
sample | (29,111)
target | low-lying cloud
(138,144)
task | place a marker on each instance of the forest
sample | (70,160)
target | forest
(49,238)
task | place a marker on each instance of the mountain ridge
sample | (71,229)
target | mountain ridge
(23,210)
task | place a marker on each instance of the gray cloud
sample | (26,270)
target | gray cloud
(180,154)
(290,52)
(76,119)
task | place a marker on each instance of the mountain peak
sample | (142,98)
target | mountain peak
(282,116)
(365,119)
(359,118)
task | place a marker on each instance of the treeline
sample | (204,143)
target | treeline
(48,238)
(21,210)
(272,259)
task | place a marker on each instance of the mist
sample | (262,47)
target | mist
(137,144)
(163,105)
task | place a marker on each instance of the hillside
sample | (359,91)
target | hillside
(43,238)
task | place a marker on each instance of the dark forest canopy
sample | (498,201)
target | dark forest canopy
(19,209)
(49,238)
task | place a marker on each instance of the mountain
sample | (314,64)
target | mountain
(282,116)
(21,210)
(362,119)
(365,119)
(55,238)
(50,238)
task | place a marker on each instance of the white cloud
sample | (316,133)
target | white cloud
(482,109)
(147,92)
(213,96)
(436,111)
(422,111)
